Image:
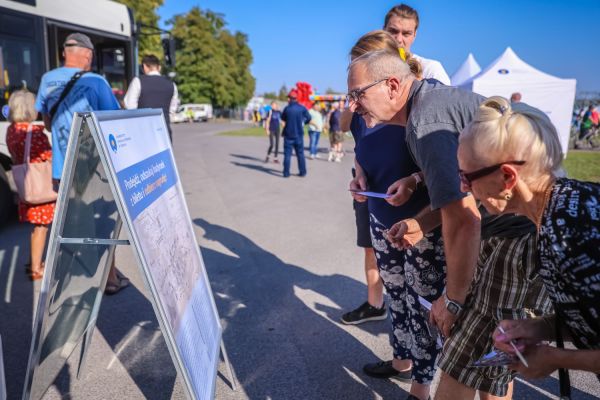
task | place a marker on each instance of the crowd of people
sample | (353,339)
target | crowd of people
(64,91)
(480,221)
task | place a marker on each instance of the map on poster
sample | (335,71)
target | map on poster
(140,153)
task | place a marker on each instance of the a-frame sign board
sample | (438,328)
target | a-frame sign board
(120,167)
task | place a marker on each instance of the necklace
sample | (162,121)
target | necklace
(538,219)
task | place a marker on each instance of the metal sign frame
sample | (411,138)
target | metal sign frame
(92,122)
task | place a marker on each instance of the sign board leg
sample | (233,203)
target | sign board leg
(2,377)
(232,379)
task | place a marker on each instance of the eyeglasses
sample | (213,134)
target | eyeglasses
(467,178)
(356,94)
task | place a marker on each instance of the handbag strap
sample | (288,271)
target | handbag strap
(27,155)
(563,374)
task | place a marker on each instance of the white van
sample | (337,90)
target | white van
(198,112)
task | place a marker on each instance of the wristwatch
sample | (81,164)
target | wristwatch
(452,306)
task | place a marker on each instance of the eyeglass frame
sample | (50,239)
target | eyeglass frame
(355,94)
(467,178)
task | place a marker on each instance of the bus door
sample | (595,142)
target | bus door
(113,55)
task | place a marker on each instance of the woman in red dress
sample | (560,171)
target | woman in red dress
(21,113)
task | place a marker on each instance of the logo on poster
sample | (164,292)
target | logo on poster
(503,71)
(113,142)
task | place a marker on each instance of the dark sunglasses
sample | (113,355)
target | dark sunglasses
(467,178)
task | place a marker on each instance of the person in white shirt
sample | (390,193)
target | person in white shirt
(402,22)
(152,90)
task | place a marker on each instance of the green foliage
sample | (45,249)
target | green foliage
(283,92)
(270,95)
(144,12)
(213,64)
(331,91)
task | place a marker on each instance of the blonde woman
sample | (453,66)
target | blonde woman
(21,115)
(510,159)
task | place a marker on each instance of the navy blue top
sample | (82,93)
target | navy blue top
(295,116)
(383,154)
(275,121)
(334,121)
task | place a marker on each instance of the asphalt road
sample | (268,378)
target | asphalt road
(283,266)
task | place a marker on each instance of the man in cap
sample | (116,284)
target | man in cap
(295,116)
(69,89)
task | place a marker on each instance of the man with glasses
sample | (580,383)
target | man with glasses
(402,22)
(501,248)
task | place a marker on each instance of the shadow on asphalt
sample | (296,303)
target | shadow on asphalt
(16,305)
(279,347)
(245,157)
(259,168)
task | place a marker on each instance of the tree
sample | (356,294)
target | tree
(144,12)
(270,95)
(283,92)
(213,64)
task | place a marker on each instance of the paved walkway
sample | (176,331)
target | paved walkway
(283,267)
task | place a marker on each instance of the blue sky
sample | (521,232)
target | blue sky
(309,40)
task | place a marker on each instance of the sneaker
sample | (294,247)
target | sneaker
(330,158)
(276,161)
(385,370)
(338,159)
(364,313)
(267,159)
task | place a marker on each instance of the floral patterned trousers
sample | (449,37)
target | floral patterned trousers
(406,275)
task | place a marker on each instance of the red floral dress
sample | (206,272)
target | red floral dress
(16,134)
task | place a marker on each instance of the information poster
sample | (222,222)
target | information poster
(139,151)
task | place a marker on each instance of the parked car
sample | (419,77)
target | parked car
(197,112)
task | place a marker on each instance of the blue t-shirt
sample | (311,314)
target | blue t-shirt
(275,121)
(383,154)
(90,93)
(334,121)
(295,116)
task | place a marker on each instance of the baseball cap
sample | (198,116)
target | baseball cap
(78,40)
(293,94)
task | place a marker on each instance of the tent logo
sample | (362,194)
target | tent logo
(113,142)
(503,71)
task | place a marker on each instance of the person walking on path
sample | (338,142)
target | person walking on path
(336,136)
(273,129)
(21,115)
(295,117)
(315,127)
(152,90)
(69,89)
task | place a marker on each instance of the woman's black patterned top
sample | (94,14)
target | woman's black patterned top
(569,250)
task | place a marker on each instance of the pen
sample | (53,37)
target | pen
(523,360)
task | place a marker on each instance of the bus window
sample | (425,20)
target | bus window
(21,54)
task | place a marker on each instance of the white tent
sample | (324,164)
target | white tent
(468,69)
(509,74)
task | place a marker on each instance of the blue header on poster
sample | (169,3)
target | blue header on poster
(144,182)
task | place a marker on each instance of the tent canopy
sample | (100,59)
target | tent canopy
(468,69)
(509,74)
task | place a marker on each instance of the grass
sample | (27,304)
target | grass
(253,131)
(257,132)
(583,165)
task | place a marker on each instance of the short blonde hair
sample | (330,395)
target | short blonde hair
(504,132)
(21,106)
(382,40)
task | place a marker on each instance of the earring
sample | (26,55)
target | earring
(508,196)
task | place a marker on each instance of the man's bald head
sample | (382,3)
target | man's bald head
(78,57)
